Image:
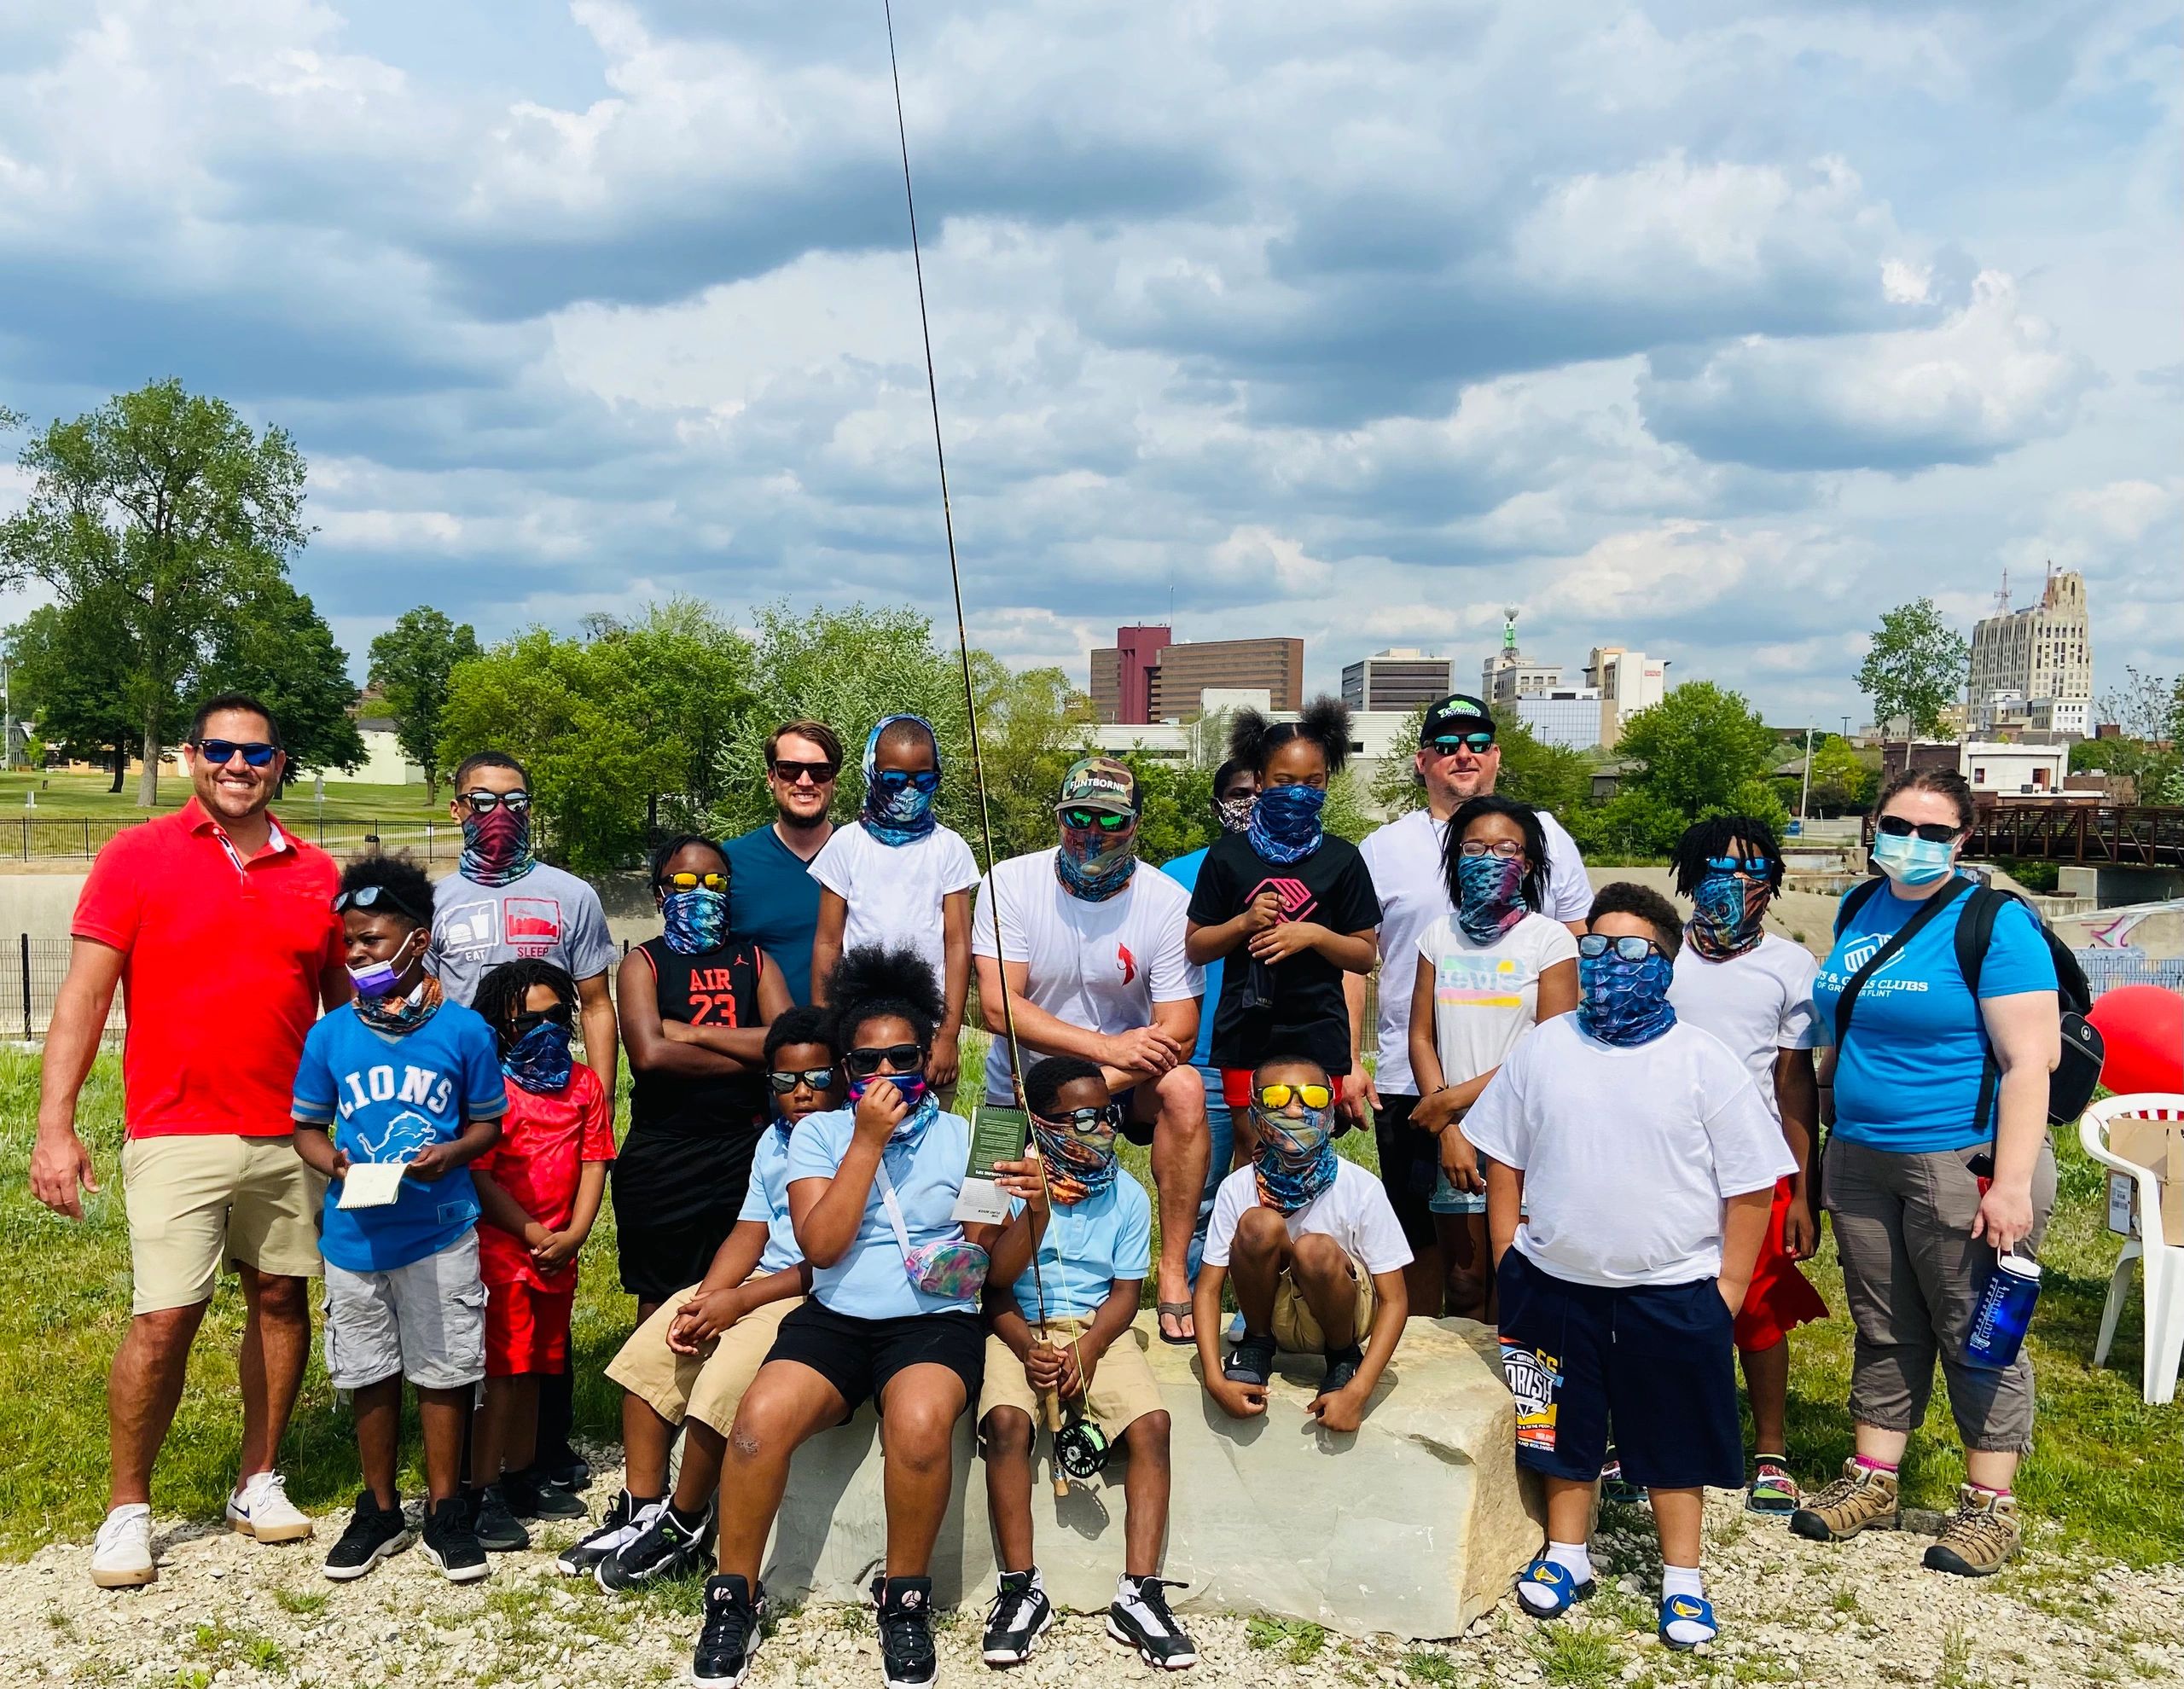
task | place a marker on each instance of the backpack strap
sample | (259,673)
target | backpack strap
(1854,900)
(1903,934)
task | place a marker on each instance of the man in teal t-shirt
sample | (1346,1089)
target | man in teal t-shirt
(773,900)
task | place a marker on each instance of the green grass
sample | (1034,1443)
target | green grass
(1422,1665)
(75,794)
(1576,1658)
(2102,1474)
(1298,1639)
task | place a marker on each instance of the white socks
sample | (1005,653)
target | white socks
(1683,1581)
(1573,1558)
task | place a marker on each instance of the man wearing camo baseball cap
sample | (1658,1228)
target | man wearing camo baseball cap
(1093,954)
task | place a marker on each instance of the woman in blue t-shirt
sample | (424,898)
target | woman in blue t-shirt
(893,1313)
(1927,1180)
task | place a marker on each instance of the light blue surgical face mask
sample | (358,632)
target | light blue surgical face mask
(1909,860)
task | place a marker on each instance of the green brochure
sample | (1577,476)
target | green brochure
(997,1135)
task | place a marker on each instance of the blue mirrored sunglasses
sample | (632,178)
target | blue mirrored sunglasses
(894,780)
(1753,865)
(219,752)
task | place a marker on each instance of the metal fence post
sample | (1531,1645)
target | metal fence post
(87,838)
(26,838)
(26,986)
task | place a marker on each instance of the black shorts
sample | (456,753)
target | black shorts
(1658,1359)
(859,1356)
(1410,1166)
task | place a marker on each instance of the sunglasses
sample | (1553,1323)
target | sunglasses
(1500,847)
(864,1062)
(1104,1121)
(894,780)
(371,897)
(219,753)
(1087,820)
(1278,1096)
(484,803)
(1631,947)
(792,773)
(787,1079)
(693,882)
(1934,833)
(528,1021)
(1757,865)
(1447,745)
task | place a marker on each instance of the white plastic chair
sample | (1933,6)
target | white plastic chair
(2162,1263)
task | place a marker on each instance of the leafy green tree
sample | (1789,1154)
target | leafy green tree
(1395,788)
(2148,710)
(69,667)
(277,647)
(164,510)
(411,663)
(1176,808)
(1916,667)
(1842,781)
(1696,749)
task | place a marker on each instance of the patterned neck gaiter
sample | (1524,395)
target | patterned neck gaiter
(1492,898)
(1729,915)
(1624,1002)
(1285,825)
(696,920)
(496,846)
(898,809)
(1296,1159)
(397,1015)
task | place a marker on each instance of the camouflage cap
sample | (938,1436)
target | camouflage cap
(1100,783)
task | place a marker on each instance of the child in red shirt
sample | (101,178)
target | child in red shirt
(539,1188)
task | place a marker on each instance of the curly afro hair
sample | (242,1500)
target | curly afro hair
(1042,1083)
(869,982)
(1253,739)
(803,1025)
(401,886)
(1627,897)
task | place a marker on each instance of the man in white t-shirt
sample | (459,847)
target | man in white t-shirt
(1457,759)
(1632,1167)
(1752,989)
(1092,951)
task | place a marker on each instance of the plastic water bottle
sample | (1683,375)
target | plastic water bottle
(2003,1313)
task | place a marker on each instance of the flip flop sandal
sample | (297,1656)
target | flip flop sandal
(1179,1311)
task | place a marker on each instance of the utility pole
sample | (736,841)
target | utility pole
(1805,790)
(7,711)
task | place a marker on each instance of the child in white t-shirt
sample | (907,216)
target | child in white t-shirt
(898,877)
(1631,1167)
(1316,1252)
(1484,976)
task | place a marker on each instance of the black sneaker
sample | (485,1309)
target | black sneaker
(1342,1365)
(906,1657)
(625,1517)
(563,1467)
(666,1547)
(730,1637)
(1140,1619)
(372,1536)
(530,1496)
(493,1522)
(1019,1616)
(449,1543)
(1251,1361)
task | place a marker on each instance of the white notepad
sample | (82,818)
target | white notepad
(371,1184)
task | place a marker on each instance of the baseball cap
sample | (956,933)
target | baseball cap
(1459,713)
(1100,783)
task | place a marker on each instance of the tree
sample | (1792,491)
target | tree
(277,647)
(1699,751)
(70,668)
(1916,667)
(1841,780)
(164,510)
(1396,788)
(1175,807)
(2149,710)
(411,665)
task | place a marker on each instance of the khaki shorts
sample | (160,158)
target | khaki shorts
(197,1202)
(1298,1332)
(709,1387)
(1123,1387)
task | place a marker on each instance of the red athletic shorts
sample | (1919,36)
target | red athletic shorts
(1780,1298)
(527,1329)
(1237,1086)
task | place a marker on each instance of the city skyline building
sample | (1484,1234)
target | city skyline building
(1399,679)
(1148,676)
(1627,682)
(2036,662)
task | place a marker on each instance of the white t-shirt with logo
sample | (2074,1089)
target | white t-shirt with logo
(1756,1003)
(1098,966)
(1486,997)
(1627,1151)
(894,892)
(1354,1211)
(1404,858)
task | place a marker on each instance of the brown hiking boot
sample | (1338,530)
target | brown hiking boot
(1860,1499)
(1980,1535)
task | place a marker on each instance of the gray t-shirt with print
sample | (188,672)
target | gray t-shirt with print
(549,912)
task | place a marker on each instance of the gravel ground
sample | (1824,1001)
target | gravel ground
(227,1611)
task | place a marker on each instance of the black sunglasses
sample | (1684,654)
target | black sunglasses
(484,803)
(1631,947)
(1085,821)
(1447,744)
(819,773)
(1934,833)
(220,751)
(787,1079)
(864,1062)
(371,897)
(527,1021)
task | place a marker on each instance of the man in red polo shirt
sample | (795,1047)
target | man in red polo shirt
(218,926)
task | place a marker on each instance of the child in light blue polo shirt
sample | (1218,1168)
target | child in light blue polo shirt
(1067,1330)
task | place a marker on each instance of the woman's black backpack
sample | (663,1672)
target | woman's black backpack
(2077,1075)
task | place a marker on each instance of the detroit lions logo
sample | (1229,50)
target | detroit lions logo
(397,1139)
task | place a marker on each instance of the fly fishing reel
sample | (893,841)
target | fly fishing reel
(1081,1448)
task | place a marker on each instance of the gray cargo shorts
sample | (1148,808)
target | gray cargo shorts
(426,1321)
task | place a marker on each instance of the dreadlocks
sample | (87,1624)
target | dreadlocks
(1712,837)
(502,993)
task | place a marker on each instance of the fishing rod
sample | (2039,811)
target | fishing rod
(1052,1403)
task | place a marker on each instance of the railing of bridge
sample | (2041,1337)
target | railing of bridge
(2094,835)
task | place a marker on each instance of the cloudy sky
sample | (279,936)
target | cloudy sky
(1712,329)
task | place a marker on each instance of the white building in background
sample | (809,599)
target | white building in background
(2036,662)
(1397,680)
(1509,675)
(384,763)
(1569,718)
(2012,770)
(1627,682)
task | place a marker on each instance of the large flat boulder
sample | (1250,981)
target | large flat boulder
(1411,1526)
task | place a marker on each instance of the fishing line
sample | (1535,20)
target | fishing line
(963,653)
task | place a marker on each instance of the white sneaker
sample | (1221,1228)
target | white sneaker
(262,1509)
(121,1556)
